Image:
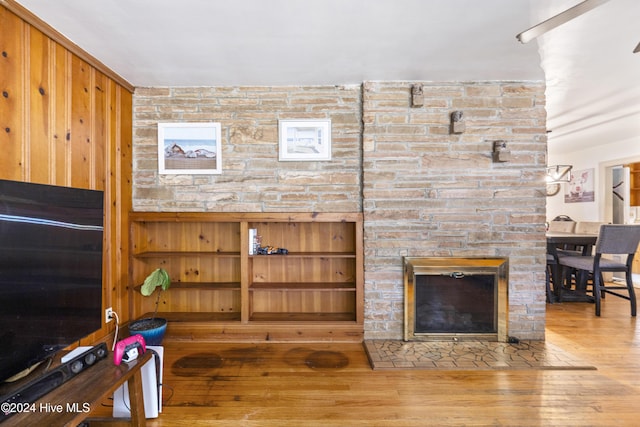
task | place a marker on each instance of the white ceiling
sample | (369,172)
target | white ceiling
(590,70)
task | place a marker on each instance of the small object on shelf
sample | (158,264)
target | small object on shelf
(272,250)
(253,241)
(129,349)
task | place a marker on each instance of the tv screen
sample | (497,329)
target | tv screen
(50,270)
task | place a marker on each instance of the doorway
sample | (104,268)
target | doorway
(614,190)
(618,205)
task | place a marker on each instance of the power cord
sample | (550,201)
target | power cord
(115,337)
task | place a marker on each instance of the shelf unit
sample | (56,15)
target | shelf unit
(220,292)
(634,170)
(634,201)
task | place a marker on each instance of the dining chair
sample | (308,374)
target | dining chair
(562,226)
(588,227)
(582,227)
(551,263)
(613,239)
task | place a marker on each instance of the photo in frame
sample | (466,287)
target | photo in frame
(304,140)
(581,188)
(189,148)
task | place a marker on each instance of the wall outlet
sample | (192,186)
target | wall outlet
(108,315)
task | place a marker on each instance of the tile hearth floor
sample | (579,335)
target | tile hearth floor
(465,355)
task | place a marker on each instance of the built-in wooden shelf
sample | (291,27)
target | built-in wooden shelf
(220,291)
(634,185)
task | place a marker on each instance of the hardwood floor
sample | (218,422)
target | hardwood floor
(333,384)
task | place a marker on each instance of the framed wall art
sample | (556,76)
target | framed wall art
(581,188)
(304,140)
(189,148)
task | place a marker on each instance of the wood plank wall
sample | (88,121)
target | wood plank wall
(65,119)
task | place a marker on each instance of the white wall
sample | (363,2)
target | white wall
(599,158)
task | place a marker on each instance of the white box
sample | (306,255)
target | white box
(151,388)
(253,233)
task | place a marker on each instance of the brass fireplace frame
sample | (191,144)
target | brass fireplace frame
(496,266)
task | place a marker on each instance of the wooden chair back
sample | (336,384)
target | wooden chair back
(618,239)
(562,226)
(588,227)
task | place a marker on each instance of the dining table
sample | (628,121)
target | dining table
(556,241)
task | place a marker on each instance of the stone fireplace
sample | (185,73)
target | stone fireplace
(424,191)
(455,299)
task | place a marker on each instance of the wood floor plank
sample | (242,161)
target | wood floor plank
(231,384)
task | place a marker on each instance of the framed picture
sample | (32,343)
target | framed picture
(189,148)
(305,140)
(581,187)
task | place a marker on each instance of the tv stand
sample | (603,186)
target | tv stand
(73,401)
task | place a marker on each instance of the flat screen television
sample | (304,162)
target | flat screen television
(51,242)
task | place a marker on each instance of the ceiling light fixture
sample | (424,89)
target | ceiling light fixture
(558,173)
(559,19)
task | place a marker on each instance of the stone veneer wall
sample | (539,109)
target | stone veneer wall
(424,192)
(431,193)
(252,179)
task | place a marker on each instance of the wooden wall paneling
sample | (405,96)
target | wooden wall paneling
(81,173)
(120,195)
(37,142)
(99,137)
(112,239)
(207,270)
(117,155)
(298,302)
(11,100)
(65,122)
(61,116)
(109,148)
(191,301)
(104,117)
(303,269)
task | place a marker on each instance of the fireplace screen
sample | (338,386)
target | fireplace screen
(456,298)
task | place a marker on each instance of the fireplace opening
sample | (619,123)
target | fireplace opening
(456,298)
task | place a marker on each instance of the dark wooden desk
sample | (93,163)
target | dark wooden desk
(73,401)
(558,239)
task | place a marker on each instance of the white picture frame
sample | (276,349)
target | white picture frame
(304,140)
(189,148)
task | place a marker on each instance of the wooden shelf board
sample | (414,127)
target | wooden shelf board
(186,317)
(203,286)
(173,254)
(307,255)
(258,332)
(310,286)
(209,286)
(253,217)
(303,317)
